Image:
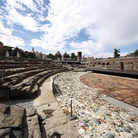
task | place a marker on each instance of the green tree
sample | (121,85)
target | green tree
(66,55)
(116,53)
(27,54)
(136,53)
(58,55)
(50,56)
(1,53)
(6,48)
(31,55)
(74,57)
(15,50)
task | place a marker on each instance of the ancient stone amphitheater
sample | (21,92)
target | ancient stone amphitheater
(22,80)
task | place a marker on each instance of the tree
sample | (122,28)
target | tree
(58,55)
(31,55)
(73,56)
(15,50)
(66,55)
(50,56)
(116,53)
(6,48)
(27,54)
(136,53)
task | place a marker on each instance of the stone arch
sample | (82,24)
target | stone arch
(107,63)
(121,65)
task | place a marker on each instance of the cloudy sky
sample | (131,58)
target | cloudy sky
(94,27)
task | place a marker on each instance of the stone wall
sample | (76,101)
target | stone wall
(130,64)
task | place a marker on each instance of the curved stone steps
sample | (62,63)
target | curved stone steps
(41,80)
(18,77)
(21,65)
(24,87)
(24,82)
(12,71)
(13,77)
(29,87)
(34,90)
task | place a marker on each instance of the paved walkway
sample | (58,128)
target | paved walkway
(55,122)
(46,95)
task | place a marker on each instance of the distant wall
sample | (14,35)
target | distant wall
(130,64)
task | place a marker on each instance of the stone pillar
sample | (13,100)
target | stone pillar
(62,57)
(7,54)
(18,54)
(79,56)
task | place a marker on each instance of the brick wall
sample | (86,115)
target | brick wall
(117,64)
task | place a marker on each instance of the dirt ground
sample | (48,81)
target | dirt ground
(121,88)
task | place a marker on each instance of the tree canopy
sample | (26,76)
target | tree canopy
(66,55)
(136,53)
(58,55)
(116,53)
(50,56)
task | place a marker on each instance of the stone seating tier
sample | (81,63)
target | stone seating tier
(25,83)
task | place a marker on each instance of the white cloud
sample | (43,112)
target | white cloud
(12,41)
(21,5)
(112,24)
(27,13)
(8,39)
(54,47)
(26,21)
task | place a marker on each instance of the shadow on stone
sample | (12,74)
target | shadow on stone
(48,113)
(25,128)
(55,135)
(42,128)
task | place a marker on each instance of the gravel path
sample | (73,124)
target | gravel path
(96,113)
(120,104)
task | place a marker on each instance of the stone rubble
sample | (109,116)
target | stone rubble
(95,116)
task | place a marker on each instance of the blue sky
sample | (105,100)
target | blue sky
(94,27)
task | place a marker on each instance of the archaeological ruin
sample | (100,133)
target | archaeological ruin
(23,80)
(29,107)
(125,63)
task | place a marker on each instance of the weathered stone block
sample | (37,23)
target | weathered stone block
(5,109)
